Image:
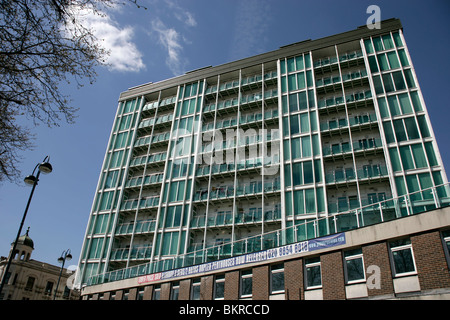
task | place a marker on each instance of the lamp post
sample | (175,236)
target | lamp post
(64,256)
(44,167)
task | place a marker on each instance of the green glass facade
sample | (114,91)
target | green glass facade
(274,141)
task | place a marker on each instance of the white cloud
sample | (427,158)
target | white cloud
(171,40)
(181,14)
(118,41)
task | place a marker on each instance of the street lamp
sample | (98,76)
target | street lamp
(44,167)
(64,256)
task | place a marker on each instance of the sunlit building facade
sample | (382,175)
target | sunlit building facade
(262,152)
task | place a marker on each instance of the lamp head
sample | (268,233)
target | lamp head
(45,167)
(69,257)
(30,179)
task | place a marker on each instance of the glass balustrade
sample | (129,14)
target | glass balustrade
(356,216)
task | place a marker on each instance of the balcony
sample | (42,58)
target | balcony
(152,179)
(358,122)
(352,100)
(137,253)
(142,226)
(164,104)
(247,190)
(152,158)
(162,121)
(360,216)
(346,60)
(365,174)
(344,149)
(144,203)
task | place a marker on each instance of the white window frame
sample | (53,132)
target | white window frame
(194,284)
(353,257)
(245,274)
(313,264)
(446,239)
(219,279)
(401,248)
(275,271)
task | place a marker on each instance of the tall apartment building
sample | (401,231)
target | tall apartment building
(305,141)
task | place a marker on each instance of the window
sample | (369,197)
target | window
(219,287)
(30,284)
(313,277)
(140,295)
(48,288)
(195,289)
(354,265)
(175,291)
(125,295)
(246,284)
(446,242)
(402,257)
(156,292)
(277,278)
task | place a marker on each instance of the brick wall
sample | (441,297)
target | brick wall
(431,264)
(206,288)
(185,290)
(377,254)
(232,285)
(333,282)
(293,279)
(260,286)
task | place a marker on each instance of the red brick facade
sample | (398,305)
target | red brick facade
(429,256)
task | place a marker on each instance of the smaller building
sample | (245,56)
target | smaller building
(29,279)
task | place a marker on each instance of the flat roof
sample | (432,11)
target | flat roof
(284,51)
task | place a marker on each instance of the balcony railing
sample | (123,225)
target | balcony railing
(245,189)
(368,172)
(142,226)
(362,216)
(225,218)
(144,203)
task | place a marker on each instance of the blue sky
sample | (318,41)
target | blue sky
(175,36)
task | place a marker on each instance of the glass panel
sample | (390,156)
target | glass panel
(404,103)
(378,85)
(409,79)
(388,132)
(411,128)
(393,106)
(407,160)
(398,80)
(306,147)
(373,64)
(403,58)
(299,207)
(382,61)
(355,269)
(387,41)
(368,45)
(430,154)
(310,201)
(383,107)
(419,156)
(395,160)
(301,80)
(416,101)
(423,126)
(388,84)
(393,60)
(403,261)
(294,125)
